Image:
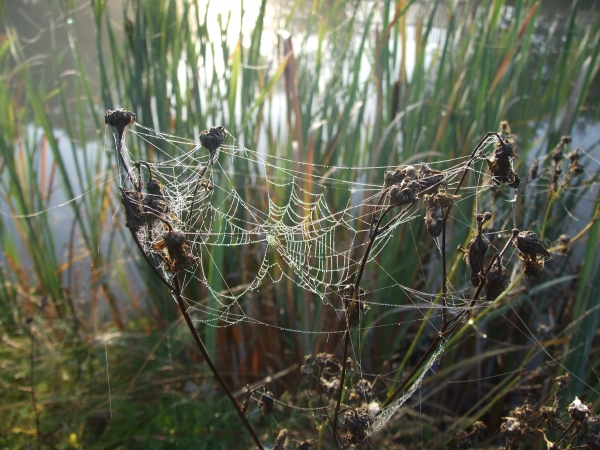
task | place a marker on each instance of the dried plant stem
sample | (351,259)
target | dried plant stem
(373,233)
(213,369)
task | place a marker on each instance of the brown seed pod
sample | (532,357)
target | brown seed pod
(155,204)
(445,199)
(530,246)
(533,269)
(212,139)
(533,169)
(119,118)
(496,282)
(475,257)
(134,213)
(429,179)
(357,421)
(500,165)
(363,391)
(403,193)
(279,443)
(392,177)
(174,241)
(328,362)
(434,218)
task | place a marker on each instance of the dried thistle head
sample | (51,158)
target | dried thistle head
(496,282)
(403,193)
(179,258)
(357,421)
(327,362)
(265,404)
(434,217)
(134,212)
(530,246)
(119,118)
(212,139)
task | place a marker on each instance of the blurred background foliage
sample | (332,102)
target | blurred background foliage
(93,352)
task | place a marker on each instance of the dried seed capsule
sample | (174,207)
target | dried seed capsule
(212,139)
(403,193)
(579,411)
(331,387)
(134,213)
(475,258)
(279,443)
(530,246)
(177,250)
(533,269)
(353,312)
(357,421)
(445,199)
(496,282)
(434,218)
(500,165)
(533,169)
(326,361)
(363,391)
(429,179)
(119,118)
(392,177)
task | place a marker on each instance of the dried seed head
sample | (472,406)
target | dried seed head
(504,127)
(212,139)
(403,193)
(279,443)
(557,155)
(461,439)
(430,180)
(511,427)
(445,199)
(363,391)
(530,246)
(533,269)
(565,140)
(134,213)
(549,412)
(479,428)
(392,177)
(562,382)
(119,118)
(326,361)
(579,411)
(266,403)
(533,169)
(573,156)
(434,217)
(496,282)
(564,241)
(178,256)
(357,421)
(483,218)
(475,256)
(513,180)
(331,387)
(501,167)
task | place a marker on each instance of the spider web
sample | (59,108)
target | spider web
(290,226)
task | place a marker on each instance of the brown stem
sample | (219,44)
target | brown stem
(213,369)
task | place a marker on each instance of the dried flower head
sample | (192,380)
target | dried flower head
(533,269)
(530,246)
(434,217)
(305,445)
(511,427)
(479,428)
(212,139)
(265,404)
(155,204)
(501,167)
(174,241)
(357,421)
(134,213)
(430,180)
(475,256)
(328,362)
(279,443)
(579,411)
(306,368)
(362,391)
(562,382)
(564,241)
(392,177)
(445,199)
(403,193)
(119,118)
(461,439)
(331,387)
(496,282)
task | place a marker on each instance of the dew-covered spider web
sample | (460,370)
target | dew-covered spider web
(306,224)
